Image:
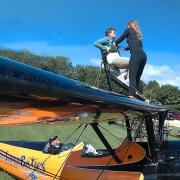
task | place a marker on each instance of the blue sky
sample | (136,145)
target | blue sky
(69,28)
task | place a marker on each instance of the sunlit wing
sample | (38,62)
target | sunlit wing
(31,95)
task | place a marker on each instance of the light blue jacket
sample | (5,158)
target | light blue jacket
(103,43)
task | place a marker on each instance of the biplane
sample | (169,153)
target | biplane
(33,96)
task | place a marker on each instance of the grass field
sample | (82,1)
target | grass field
(42,133)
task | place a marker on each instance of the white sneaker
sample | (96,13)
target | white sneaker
(122,79)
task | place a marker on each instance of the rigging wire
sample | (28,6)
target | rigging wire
(110,132)
(52,154)
(140,126)
(71,135)
(134,138)
(131,128)
(138,130)
(70,151)
(112,156)
(98,77)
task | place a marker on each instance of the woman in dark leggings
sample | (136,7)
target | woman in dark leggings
(138,57)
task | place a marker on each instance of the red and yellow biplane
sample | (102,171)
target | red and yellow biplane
(32,96)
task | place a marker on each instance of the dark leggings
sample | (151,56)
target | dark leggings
(136,66)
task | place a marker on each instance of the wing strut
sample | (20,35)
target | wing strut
(162,117)
(128,127)
(105,142)
(151,138)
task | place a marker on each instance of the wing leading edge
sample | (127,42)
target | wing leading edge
(31,95)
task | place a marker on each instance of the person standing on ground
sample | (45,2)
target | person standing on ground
(138,57)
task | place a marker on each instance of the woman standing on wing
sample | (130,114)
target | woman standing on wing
(138,57)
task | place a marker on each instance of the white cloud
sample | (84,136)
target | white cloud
(156,71)
(163,74)
(95,61)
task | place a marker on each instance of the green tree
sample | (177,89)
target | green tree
(151,91)
(57,64)
(169,94)
(142,86)
(87,74)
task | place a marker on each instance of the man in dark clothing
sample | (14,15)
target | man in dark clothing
(53,146)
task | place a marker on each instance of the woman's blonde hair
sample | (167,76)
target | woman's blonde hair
(133,24)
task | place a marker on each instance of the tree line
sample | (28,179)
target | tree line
(165,94)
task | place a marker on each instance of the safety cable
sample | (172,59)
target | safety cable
(103,170)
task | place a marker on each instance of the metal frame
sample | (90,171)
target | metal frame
(128,127)
(162,117)
(111,78)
